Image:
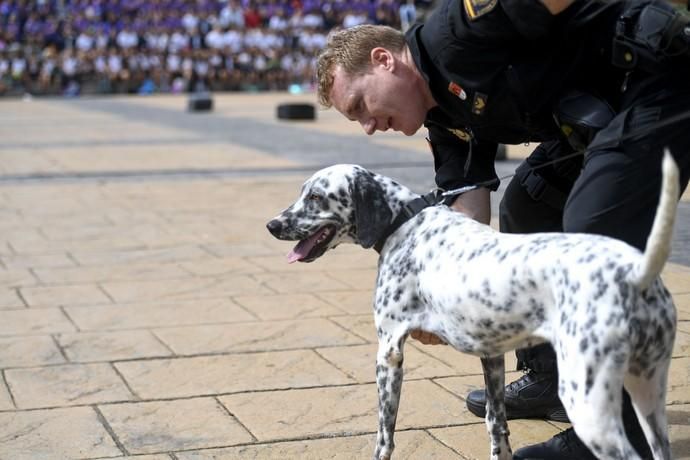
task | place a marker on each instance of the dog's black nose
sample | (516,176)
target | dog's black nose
(274,226)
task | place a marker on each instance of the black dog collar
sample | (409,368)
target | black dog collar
(409,210)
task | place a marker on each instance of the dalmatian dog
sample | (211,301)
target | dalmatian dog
(598,301)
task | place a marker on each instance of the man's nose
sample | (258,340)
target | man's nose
(369,126)
(275,227)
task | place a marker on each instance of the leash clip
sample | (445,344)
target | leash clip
(458,191)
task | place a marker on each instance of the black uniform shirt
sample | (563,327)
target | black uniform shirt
(496,69)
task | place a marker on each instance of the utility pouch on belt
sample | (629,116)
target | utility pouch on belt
(580,116)
(648,36)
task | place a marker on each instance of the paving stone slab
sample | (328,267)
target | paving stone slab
(342,258)
(679,430)
(677,282)
(240,249)
(226,266)
(409,445)
(355,302)
(204,375)
(286,306)
(16,277)
(111,346)
(157,314)
(463,363)
(66,385)
(165,255)
(185,288)
(54,434)
(362,325)
(147,457)
(36,261)
(461,386)
(359,362)
(29,351)
(162,426)
(679,381)
(51,247)
(681,347)
(682,302)
(355,278)
(256,336)
(55,296)
(34,322)
(289,283)
(9,299)
(111,273)
(5,398)
(473,440)
(339,410)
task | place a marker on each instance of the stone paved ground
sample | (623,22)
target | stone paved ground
(146,313)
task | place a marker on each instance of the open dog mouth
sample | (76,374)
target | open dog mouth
(312,247)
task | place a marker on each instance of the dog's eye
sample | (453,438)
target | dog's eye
(314,197)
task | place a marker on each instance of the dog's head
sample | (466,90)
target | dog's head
(342,203)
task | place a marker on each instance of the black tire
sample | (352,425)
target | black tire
(200,102)
(296,112)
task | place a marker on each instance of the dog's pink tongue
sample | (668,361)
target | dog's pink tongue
(300,251)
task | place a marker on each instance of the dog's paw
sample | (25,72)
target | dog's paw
(382,453)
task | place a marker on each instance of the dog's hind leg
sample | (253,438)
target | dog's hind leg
(389,378)
(592,393)
(648,394)
(496,422)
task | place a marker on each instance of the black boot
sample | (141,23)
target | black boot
(534,395)
(564,446)
(567,446)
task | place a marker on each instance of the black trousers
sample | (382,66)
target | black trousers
(611,191)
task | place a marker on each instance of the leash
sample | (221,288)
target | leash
(596,146)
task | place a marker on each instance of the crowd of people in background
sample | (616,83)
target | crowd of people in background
(73,47)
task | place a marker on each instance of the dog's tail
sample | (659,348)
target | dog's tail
(659,241)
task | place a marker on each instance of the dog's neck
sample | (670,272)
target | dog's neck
(397,195)
(404,204)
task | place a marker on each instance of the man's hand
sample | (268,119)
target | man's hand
(556,6)
(427,338)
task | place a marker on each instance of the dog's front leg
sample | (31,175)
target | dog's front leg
(496,423)
(389,378)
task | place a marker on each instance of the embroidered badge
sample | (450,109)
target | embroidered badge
(462,135)
(479,103)
(457,90)
(478,8)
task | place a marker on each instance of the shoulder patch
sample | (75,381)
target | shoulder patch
(478,8)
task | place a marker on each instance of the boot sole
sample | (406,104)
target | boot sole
(556,415)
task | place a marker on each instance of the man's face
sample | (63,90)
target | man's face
(386,97)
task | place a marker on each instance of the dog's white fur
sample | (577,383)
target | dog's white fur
(598,301)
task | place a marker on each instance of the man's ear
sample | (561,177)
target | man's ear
(382,57)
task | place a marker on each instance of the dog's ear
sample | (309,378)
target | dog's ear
(372,213)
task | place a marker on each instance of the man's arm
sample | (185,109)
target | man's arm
(556,6)
(476,204)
